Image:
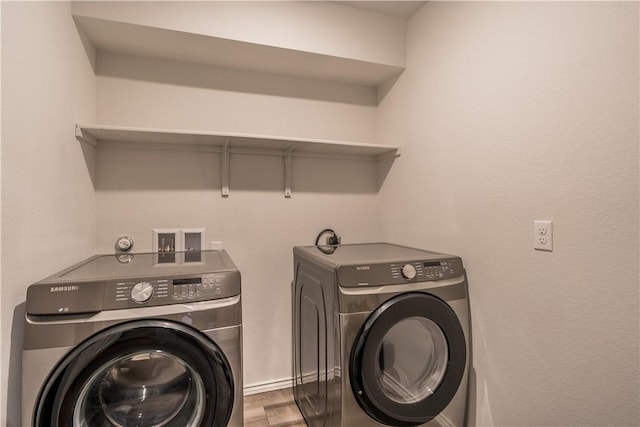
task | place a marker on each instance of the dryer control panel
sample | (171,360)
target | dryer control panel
(395,273)
(424,270)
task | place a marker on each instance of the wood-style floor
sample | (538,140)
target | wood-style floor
(273,408)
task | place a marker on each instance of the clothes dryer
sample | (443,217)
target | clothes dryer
(381,336)
(135,340)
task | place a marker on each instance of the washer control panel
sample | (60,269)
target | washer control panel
(134,293)
(150,292)
(195,288)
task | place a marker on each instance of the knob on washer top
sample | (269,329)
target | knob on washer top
(124,243)
(408,271)
(141,292)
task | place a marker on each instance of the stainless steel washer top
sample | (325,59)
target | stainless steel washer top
(146,264)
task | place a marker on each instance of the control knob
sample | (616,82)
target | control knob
(408,271)
(141,292)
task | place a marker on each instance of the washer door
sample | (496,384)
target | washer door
(148,373)
(408,360)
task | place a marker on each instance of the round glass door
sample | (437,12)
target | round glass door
(410,370)
(408,360)
(145,374)
(147,388)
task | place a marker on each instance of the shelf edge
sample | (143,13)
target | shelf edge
(87,133)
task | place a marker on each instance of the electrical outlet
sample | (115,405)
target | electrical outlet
(543,235)
(333,240)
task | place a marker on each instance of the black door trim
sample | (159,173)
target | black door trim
(55,404)
(364,357)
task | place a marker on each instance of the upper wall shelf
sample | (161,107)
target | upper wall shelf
(162,43)
(234,143)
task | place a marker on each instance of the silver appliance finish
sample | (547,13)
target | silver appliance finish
(196,296)
(335,295)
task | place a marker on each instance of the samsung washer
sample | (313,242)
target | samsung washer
(135,340)
(381,336)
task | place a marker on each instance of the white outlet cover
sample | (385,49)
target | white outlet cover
(543,235)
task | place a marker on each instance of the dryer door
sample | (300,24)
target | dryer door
(143,373)
(408,360)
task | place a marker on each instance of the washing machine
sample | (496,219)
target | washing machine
(151,339)
(380,336)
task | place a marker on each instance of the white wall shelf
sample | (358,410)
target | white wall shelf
(146,41)
(234,143)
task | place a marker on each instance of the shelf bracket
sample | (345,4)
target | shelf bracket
(225,168)
(287,170)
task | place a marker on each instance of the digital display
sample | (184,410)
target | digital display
(192,281)
(431,264)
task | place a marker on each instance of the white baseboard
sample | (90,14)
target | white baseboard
(270,386)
